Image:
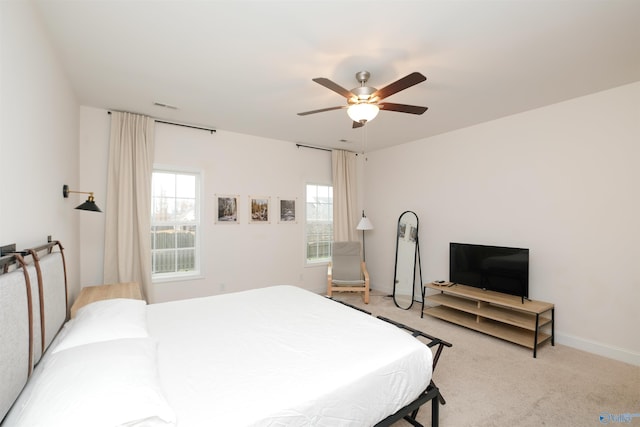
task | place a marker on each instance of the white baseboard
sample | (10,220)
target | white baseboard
(621,354)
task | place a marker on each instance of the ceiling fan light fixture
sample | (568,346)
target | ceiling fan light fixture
(362,113)
(363,101)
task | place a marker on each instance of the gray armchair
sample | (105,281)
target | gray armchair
(347,272)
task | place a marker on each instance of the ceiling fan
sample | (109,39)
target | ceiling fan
(363,102)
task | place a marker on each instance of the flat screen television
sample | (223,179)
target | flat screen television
(494,268)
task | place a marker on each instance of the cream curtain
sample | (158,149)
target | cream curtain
(345,199)
(127,248)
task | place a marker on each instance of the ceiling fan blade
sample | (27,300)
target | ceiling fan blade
(322,110)
(402,108)
(357,125)
(333,86)
(401,84)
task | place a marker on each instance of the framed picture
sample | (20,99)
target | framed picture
(227,209)
(413,234)
(402,228)
(259,210)
(287,211)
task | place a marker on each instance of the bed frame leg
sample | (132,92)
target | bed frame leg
(435,412)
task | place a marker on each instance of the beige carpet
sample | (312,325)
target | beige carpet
(490,382)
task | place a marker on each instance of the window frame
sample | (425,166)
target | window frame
(316,261)
(197,272)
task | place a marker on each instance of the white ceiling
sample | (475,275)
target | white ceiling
(247,66)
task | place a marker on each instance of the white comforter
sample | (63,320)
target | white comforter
(277,356)
(283,356)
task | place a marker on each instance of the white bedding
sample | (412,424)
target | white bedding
(279,356)
(283,356)
(100,371)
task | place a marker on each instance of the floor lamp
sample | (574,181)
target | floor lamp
(363,225)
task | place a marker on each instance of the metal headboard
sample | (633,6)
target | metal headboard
(21,323)
(16,327)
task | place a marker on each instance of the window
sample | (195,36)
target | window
(319,224)
(175,224)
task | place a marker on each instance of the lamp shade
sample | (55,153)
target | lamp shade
(89,205)
(363,112)
(364,224)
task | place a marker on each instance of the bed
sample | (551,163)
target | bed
(276,356)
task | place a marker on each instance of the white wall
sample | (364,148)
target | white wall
(560,180)
(94,154)
(38,138)
(236,257)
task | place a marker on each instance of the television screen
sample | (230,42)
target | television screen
(494,268)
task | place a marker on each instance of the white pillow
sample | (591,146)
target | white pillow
(105,384)
(105,320)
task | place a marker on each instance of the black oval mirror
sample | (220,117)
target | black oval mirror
(407,253)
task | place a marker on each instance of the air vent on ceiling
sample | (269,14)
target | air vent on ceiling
(163,105)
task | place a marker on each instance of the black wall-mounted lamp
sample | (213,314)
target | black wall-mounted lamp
(89,205)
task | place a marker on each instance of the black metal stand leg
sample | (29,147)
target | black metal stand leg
(535,336)
(553,326)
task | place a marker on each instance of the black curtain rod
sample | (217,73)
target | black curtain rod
(314,148)
(180,124)
(320,148)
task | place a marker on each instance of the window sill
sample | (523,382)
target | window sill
(177,278)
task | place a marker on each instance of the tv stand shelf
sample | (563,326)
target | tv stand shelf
(504,316)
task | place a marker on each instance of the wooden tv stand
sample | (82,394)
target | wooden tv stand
(501,315)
